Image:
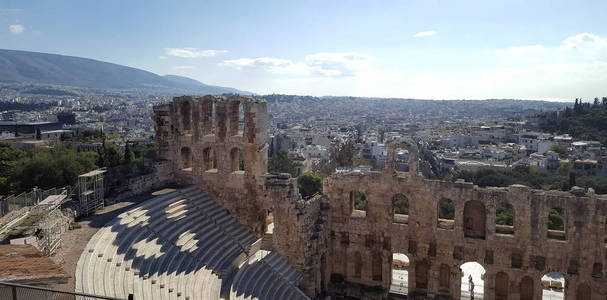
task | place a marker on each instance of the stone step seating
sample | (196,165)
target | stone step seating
(266,275)
(276,262)
(176,246)
(267,242)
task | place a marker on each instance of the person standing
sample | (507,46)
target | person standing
(471,287)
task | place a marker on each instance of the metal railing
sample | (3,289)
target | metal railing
(15,202)
(13,291)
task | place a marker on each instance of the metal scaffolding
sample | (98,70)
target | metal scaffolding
(49,231)
(91,191)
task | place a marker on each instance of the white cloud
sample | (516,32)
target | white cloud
(321,64)
(583,41)
(176,68)
(338,64)
(192,52)
(584,46)
(425,33)
(162,57)
(270,64)
(575,67)
(16,29)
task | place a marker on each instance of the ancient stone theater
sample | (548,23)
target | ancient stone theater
(234,231)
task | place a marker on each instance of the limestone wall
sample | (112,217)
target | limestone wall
(514,259)
(219,144)
(341,250)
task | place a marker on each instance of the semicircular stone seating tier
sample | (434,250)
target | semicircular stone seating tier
(180,245)
(266,275)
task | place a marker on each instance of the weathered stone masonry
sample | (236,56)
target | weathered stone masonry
(343,251)
(202,137)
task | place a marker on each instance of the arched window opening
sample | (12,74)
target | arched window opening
(474,219)
(215,160)
(358,264)
(556,224)
(597,270)
(358,202)
(207,117)
(421,275)
(553,286)
(234,116)
(237,160)
(526,288)
(377,268)
(240,118)
(504,218)
(186,117)
(444,279)
(206,159)
(516,259)
(213,118)
(186,159)
(446,214)
(400,209)
(400,274)
(472,283)
(269,223)
(401,160)
(583,291)
(501,286)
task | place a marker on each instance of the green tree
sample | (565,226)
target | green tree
(281,163)
(555,219)
(400,204)
(50,168)
(360,200)
(109,156)
(571,179)
(446,209)
(8,159)
(504,215)
(560,149)
(129,155)
(342,154)
(309,184)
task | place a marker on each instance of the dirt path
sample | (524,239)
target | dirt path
(74,241)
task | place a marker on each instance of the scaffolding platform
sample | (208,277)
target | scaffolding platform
(91,191)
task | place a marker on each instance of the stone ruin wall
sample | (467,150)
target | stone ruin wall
(341,251)
(515,259)
(300,230)
(200,138)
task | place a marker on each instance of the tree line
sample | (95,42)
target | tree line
(21,171)
(584,120)
(564,178)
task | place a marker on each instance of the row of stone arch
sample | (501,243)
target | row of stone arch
(210,159)
(210,117)
(502,285)
(474,215)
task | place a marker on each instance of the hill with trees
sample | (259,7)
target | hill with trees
(587,121)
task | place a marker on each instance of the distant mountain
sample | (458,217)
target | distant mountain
(43,68)
(195,84)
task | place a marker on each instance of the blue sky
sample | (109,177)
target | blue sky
(418,49)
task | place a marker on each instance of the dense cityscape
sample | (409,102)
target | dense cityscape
(303,150)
